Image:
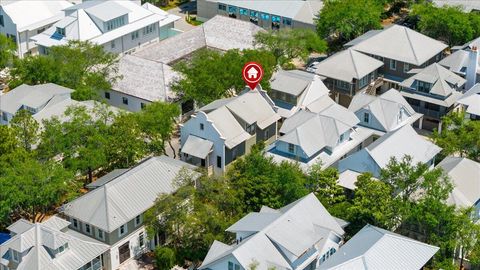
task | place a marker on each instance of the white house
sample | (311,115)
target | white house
(31,98)
(397,143)
(324,132)
(112,213)
(375,248)
(21,20)
(226,129)
(299,236)
(119,26)
(50,245)
(470,102)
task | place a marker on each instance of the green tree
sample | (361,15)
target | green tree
(8,140)
(157,122)
(199,85)
(468,233)
(324,183)
(25,129)
(288,44)
(340,21)
(165,258)
(459,136)
(7,51)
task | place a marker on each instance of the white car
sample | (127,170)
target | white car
(312,67)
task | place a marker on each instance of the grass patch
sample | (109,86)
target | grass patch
(193,20)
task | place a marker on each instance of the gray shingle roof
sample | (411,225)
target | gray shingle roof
(130,194)
(385,108)
(347,65)
(402,44)
(465,176)
(374,248)
(444,82)
(220,33)
(39,239)
(295,227)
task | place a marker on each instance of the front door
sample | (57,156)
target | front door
(124,252)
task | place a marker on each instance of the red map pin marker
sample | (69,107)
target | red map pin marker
(252,74)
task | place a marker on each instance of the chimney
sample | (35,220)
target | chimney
(472,67)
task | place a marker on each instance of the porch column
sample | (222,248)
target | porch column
(420,123)
(440,127)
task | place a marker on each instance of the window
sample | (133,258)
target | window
(243,11)
(423,86)
(138,220)
(87,228)
(232,9)
(61,31)
(366,117)
(61,249)
(122,230)
(291,148)
(406,67)
(115,23)
(201,127)
(75,223)
(112,44)
(134,35)
(233,266)
(2,23)
(143,105)
(265,17)
(342,136)
(250,129)
(267,134)
(275,19)
(107,95)
(125,100)
(15,256)
(141,240)
(222,7)
(363,81)
(393,64)
(39,31)
(287,21)
(4,117)
(219,161)
(100,234)
(148,29)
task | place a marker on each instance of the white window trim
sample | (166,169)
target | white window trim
(135,220)
(73,223)
(126,230)
(406,67)
(13,255)
(98,235)
(391,66)
(85,228)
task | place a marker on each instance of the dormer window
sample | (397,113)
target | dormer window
(115,23)
(61,31)
(423,86)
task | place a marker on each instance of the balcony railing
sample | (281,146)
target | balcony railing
(427,112)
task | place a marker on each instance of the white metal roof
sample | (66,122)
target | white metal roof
(347,65)
(467,5)
(107,11)
(295,227)
(31,14)
(373,248)
(401,43)
(471,99)
(197,147)
(130,194)
(465,176)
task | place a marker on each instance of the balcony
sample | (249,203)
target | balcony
(427,112)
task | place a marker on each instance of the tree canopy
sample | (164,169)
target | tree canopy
(7,51)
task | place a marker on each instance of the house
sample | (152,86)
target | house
(375,248)
(270,15)
(432,91)
(118,26)
(465,5)
(465,176)
(226,129)
(31,98)
(384,113)
(470,103)
(113,212)
(21,20)
(324,132)
(142,81)
(50,245)
(464,62)
(292,90)
(394,144)
(349,72)
(400,49)
(295,237)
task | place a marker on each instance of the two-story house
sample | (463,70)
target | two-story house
(226,129)
(21,20)
(274,15)
(398,143)
(113,212)
(299,236)
(292,90)
(349,72)
(432,91)
(31,98)
(384,113)
(324,132)
(118,26)
(400,49)
(470,103)
(50,245)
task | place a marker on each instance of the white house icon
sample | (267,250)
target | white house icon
(252,73)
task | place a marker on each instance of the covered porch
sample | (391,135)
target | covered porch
(196,151)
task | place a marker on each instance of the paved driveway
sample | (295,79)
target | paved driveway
(182,10)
